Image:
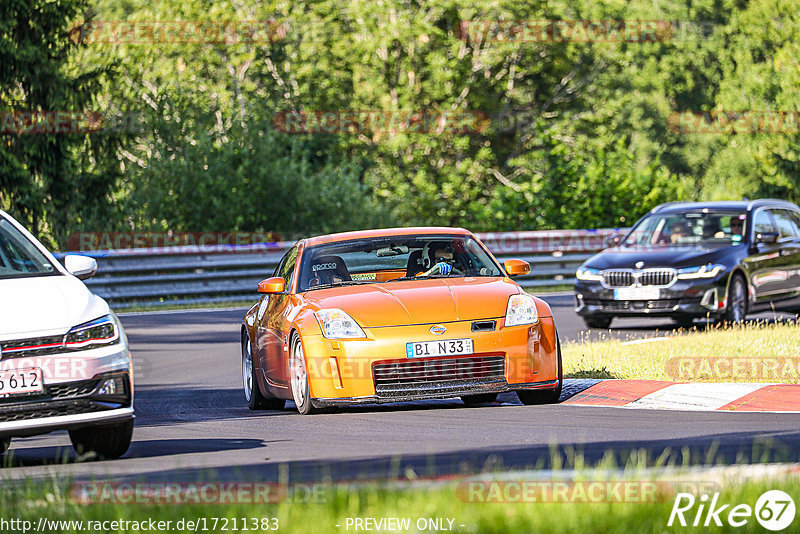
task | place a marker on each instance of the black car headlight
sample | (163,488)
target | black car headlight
(710,270)
(588,273)
(96,333)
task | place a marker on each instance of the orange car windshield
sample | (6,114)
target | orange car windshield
(396,258)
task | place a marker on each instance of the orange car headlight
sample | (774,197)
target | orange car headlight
(521,310)
(336,324)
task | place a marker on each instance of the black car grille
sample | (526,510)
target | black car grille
(68,390)
(638,305)
(429,376)
(22,412)
(36,346)
(618,278)
(643,278)
(71,390)
(656,278)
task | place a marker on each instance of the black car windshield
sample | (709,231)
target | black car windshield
(689,228)
(18,256)
(401,258)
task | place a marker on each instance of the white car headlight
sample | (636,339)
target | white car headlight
(521,310)
(336,324)
(102,331)
(709,270)
(587,273)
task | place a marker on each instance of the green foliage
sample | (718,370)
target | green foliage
(54,183)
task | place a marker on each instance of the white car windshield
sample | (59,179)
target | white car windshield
(681,229)
(18,256)
(400,258)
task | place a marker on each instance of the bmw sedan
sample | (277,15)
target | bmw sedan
(64,358)
(685,260)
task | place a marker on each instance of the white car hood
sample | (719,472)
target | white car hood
(45,305)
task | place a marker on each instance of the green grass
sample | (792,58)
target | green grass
(753,352)
(32,501)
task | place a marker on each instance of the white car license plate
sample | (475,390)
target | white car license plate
(21,381)
(637,293)
(444,347)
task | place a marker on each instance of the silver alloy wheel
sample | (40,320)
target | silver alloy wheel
(298,373)
(247,369)
(738,302)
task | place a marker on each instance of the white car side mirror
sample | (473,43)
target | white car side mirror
(81,267)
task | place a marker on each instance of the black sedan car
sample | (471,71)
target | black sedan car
(686,260)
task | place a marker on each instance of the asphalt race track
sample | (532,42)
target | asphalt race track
(192,422)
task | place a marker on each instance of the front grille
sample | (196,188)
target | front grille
(618,278)
(71,390)
(22,412)
(438,376)
(656,278)
(639,305)
(68,390)
(662,277)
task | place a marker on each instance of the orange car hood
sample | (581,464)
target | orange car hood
(418,301)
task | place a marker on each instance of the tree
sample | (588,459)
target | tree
(55,179)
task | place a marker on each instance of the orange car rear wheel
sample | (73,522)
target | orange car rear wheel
(252,393)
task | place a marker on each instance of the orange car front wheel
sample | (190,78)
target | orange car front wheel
(299,378)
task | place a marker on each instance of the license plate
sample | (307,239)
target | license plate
(21,381)
(636,293)
(444,347)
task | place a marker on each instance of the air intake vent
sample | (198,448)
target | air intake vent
(483,326)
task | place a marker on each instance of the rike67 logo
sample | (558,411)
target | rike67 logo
(774,510)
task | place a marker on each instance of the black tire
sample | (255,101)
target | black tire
(479,398)
(299,378)
(546,396)
(5,443)
(108,442)
(598,322)
(736,310)
(252,392)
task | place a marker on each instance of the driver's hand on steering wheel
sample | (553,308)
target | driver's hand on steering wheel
(444,268)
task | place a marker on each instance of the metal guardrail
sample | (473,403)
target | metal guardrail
(170,276)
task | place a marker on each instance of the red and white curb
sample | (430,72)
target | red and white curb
(661,395)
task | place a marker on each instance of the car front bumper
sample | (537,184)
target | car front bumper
(378,370)
(73,394)
(690,298)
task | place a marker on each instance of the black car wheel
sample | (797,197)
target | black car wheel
(4,445)
(107,442)
(737,300)
(252,393)
(480,398)
(551,396)
(598,322)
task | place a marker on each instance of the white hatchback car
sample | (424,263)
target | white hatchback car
(64,357)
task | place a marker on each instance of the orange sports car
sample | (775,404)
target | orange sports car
(396,315)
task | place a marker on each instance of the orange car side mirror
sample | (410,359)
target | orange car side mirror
(517,267)
(276,284)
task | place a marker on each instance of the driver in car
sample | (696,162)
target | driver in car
(443,261)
